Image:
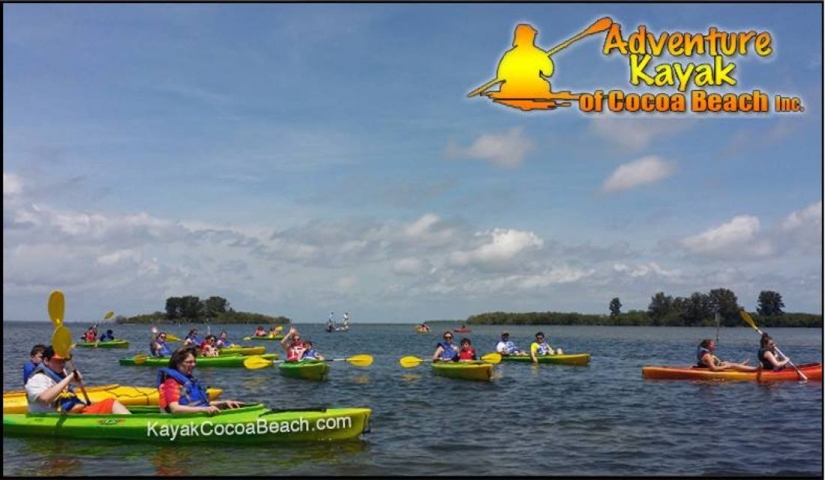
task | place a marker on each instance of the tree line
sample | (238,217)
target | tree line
(717,307)
(191,309)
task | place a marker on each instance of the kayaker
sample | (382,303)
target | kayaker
(223,340)
(259,332)
(273,332)
(90,335)
(209,348)
(506,347)
(705,358)
(445,351)
(35,359)
(467,352)
(192,339)
(293,345)
(768,357)
(108,336)
(310,353)
(47,384)
(541,347)
(180,392)
(158,347)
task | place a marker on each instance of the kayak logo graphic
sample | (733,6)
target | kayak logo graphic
(523,73)
(110,421)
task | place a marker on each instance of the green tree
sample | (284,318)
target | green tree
(615,307)
(215,305)
(770,303)
(697,308)
(191,308)
(724,302)
(660,305)
(173,308)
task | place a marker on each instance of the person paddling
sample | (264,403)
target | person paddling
(48,390)
(445,351)
(706,359)
(158,346)
(192,339)
(35,359)
(541,347)
(180,392)
(768,357)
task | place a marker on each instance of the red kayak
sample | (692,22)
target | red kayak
(462,330)
(813,371)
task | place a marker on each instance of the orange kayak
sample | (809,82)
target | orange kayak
(812,370)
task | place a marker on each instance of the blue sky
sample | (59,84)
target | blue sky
(298,159)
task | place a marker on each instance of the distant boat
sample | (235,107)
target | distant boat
(463,329)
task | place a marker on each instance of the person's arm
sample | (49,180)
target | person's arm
(287,338)
(534,348)
(37,388)
(500,347)
(175,407)
(437,353)
(709,361)
(777,364)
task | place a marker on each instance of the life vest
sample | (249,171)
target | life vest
(509,347)
(106,338)
(28,369)
(449,352)
(311,355)
(295,351)
(163,351)
(66,401)
(195,339)
(90,336)
(543,349)
(700,352)
(467,354)
(192,391)
(766,364)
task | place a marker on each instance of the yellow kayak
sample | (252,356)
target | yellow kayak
(15,401)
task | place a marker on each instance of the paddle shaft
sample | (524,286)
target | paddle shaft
(80,383)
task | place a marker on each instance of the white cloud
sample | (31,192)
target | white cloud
(644,171)
(12,184)
(644,270)
(499,247)
(505,150)
(410,266)
(634,134)
(737,238)
(803,228)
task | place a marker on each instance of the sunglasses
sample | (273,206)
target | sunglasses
(448,338)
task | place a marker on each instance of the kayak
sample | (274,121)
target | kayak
(222,361)
(266,337)
(421,330)
(306,369)
(462,330)
(464,370)
(564,359)
(242,351)
(108,344)
(812,370)
(251,424)
(16,402)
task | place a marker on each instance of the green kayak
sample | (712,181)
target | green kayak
(235,361)
(252,423)
(109,344)
(464,370)
(266,337)
(242,351)
(563,359)
(306,369)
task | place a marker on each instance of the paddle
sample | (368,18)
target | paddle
(747,318)
(62,337)
(410,361)
(141,359)
(172,338)
(256,362)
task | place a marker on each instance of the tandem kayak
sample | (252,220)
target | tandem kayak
(812,370)
(563,359)
(242,351)
(305,369)
(222,361)
(464,370)
(266,337)
(252,423)
(109,344)
(16,402)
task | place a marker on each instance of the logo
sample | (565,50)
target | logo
(110,421)
(523,73)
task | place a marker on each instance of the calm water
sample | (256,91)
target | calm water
(603,419)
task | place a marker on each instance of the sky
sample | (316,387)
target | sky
(298,159)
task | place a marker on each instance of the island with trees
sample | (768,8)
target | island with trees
(191,309)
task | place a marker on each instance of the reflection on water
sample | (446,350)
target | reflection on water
(411,377)
(360,379)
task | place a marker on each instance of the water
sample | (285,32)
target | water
(603,419)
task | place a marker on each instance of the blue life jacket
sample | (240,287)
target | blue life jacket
(28,369)
(65,402)
(106,337)
(196,339)
(311,355)
(192,391)
(544,349)
(163,351)
(449,352)
(510,347)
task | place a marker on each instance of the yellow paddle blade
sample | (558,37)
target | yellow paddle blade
(410,361)
(141,359)
(256,362)
(62,341)
(493,358)
(747,318)
(108,315)
(172,338)
(360,360)
(279,328)
(57,308)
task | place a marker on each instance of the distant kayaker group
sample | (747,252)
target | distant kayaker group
(331,327)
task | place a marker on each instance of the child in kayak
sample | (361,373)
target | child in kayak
(541,347)
(445,351)
(180,392)
(35,358)
(108,336)
(310,353)
(506,347)
(467,352)
(705,358)
(768,356)
(48,390)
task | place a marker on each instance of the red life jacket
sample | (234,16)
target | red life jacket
(295,351)
(467,354)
